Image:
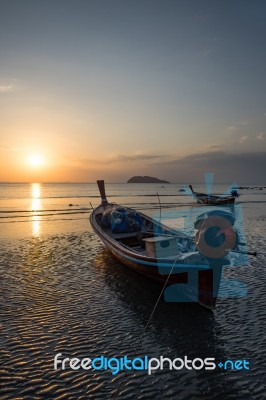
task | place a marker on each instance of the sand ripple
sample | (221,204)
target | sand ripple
(65,294)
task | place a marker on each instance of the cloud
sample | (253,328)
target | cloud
(215,147)
(119,158)
(5,88)
(228,167)
(242,168)
(243,139)
(232,128)
(7,85)
(260,136)
(134,157)
(7,148)
(85,162)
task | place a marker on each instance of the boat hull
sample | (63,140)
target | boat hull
(205,293)
(198,283)
(213,200)
(216,201)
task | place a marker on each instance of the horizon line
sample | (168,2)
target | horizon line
(134,183)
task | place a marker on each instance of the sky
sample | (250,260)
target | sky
(109,89)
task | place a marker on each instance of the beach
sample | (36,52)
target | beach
(62,292)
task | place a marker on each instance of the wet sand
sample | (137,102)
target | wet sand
(61,292)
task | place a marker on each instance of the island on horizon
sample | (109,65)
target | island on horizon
(145,179)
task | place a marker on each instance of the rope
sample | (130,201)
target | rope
(147,324)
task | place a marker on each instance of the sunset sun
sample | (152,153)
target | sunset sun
(35,160)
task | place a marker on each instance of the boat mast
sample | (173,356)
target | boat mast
(101,187)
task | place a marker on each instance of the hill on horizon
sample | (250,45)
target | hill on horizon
(145,179)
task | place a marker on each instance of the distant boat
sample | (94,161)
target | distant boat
(155,250)
(203,198)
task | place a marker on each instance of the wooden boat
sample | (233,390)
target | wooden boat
(160,253)
(203,198)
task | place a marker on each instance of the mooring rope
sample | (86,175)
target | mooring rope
(146,326)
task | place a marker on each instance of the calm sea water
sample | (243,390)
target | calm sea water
(61,292)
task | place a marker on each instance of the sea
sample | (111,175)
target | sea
(61,292)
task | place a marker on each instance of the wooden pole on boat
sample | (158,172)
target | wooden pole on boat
(191,188)
(101,187)
(159,205)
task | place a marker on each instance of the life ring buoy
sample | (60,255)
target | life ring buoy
(215,237)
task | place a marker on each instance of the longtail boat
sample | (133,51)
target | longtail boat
(147,246)
(214,200)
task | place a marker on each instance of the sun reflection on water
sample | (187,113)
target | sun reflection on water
(36,206)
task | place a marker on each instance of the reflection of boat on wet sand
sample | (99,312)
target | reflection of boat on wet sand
(159,252)
(172,325)
(203,198)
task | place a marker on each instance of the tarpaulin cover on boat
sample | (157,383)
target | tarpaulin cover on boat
(121,220)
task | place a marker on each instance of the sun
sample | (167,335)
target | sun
(35,160)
